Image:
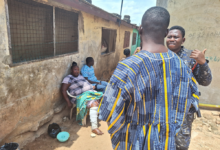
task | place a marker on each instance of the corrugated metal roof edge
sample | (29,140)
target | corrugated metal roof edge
(94,10)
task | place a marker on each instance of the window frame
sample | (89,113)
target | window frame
(109,52)
(134,43)
(127,39)
(12,64)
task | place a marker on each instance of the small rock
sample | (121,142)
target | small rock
(204,123)
(209,129)
(199,129)
(216,133)
(214,126)
(215,113)
(93,135)
(59,108)
(218,121)
(65,119)
(208,116)
(46,118)
(201,145)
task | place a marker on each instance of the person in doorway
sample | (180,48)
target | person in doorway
(89,74)
(148,94)
(79,89)
(138,49)
(127,54)
(196,61)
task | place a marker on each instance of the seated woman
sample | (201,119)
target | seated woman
(89,74)
(85,98)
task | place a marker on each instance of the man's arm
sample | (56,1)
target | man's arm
(194,96)
(203,74)
(113,105)
(202,71)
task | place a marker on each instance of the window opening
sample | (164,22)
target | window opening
(66,23)
(134,39)
(126,39)
(108,40)
(31,28)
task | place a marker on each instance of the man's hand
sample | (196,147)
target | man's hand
(93,87)
(199,56)
(70,105)
(138,49)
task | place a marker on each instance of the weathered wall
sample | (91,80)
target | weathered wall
(201,19)
(29,93)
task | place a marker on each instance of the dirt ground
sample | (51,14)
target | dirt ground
(205,136)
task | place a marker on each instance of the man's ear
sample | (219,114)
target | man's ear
(167,31)
(184,39)
(140,30)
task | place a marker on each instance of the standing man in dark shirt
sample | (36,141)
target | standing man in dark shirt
(196,61)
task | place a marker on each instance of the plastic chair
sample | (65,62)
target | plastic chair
(71,110)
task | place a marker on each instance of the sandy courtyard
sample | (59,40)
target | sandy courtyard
(205,136)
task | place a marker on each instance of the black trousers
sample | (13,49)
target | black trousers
(184,135)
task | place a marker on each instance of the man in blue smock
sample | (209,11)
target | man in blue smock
(89,74)
(150,93)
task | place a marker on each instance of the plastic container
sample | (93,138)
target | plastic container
(63,136)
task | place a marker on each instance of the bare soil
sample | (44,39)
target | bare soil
(205,136)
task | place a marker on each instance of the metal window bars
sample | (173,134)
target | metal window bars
(32,35)
(66,31)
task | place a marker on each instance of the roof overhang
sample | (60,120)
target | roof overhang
(91,9)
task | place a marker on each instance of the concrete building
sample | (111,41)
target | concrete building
(201,19)
(39,40)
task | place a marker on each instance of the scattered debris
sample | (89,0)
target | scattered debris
(59,108)
(208,116)
(215,113)
(218,121)
(65,119)
(93,135)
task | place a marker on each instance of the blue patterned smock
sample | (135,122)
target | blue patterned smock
(146,101)
(88,72)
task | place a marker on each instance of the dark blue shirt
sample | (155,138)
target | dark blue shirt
(202,73)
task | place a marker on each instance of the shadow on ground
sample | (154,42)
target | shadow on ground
(45,142)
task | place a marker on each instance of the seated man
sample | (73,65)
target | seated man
(79,87)
(89,74)
(127,54)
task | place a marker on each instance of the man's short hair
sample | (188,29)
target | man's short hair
(181,29)
(127,52)
(156,19)
(88,60)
